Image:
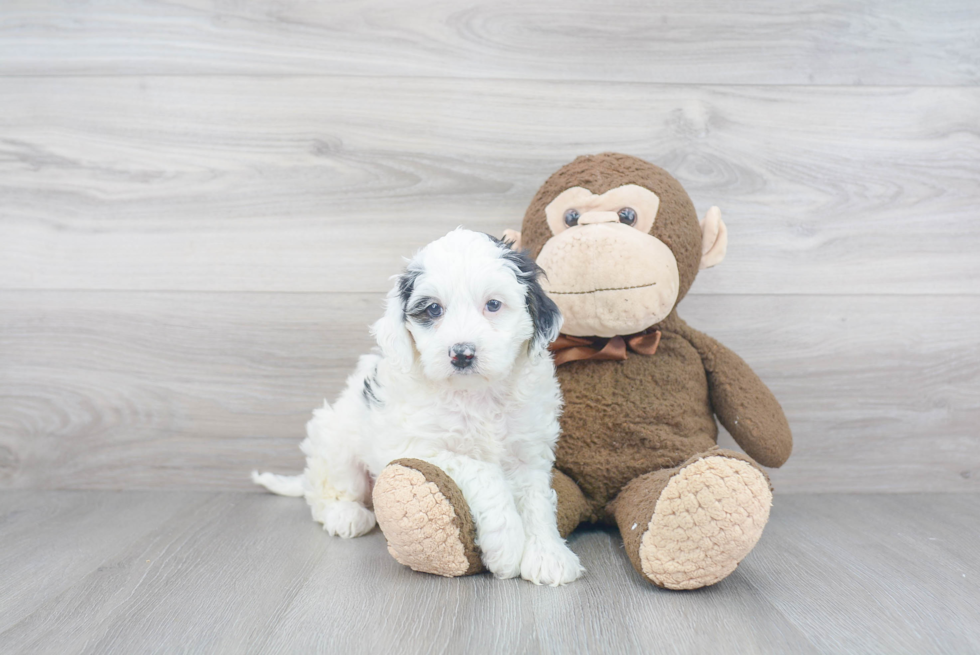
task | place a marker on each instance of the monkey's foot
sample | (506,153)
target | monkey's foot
(689,527)
(425,519)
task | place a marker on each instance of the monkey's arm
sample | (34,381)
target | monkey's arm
(742,402)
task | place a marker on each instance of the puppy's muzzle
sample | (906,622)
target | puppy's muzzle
(462,355)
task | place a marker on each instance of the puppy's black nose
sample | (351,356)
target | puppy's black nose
(462,354)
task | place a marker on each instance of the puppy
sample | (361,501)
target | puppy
(463,380)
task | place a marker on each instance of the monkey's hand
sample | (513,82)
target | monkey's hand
(743,403)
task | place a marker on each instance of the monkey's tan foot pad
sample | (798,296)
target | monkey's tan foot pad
(425,519)
(708,517)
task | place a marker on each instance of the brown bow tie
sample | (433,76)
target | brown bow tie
(571,349)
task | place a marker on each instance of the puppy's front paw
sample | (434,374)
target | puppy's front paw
(503,548)
(550,563)
(344,518)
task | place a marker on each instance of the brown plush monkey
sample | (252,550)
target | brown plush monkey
(621,245)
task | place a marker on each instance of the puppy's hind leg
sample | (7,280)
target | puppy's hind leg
(335,483)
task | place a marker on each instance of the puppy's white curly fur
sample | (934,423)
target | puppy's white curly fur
(485,412)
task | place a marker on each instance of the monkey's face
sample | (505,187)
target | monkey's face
(605,270)
(620,242)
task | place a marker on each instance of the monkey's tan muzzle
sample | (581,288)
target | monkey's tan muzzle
(609,279)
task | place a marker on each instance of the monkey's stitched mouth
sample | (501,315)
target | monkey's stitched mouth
(578,293)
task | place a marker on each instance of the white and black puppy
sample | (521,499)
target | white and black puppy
(464,381)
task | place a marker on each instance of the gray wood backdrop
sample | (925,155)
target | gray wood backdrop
(201,204)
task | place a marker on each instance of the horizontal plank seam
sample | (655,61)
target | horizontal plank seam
(23,290)
(547,80)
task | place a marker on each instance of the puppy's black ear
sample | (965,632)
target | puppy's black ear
(392,335)
(544,312)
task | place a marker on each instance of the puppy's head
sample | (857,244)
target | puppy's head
(467,306)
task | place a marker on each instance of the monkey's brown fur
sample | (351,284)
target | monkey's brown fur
(626,418)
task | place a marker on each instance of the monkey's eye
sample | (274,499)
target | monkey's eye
(493,305)
(571,217)
(627,216)
(434,310)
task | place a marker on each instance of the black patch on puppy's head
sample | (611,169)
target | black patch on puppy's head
(406,286)
(543,311)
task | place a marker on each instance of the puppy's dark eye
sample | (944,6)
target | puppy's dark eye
(627,215)
(493,305)
(434,310)
(571,217)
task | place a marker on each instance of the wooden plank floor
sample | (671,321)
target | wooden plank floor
(105,572)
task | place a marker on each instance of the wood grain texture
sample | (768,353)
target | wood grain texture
(752,42)
(234,573)
(201,203)
(323,184)
(107,390)
(50,542)
(116,390)
(874,574)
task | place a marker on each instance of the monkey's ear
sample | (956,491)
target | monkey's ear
(513,238)
(714,239)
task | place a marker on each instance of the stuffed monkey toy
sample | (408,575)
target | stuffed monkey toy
(620,243)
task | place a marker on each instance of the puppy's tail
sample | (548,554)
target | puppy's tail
(284,485)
